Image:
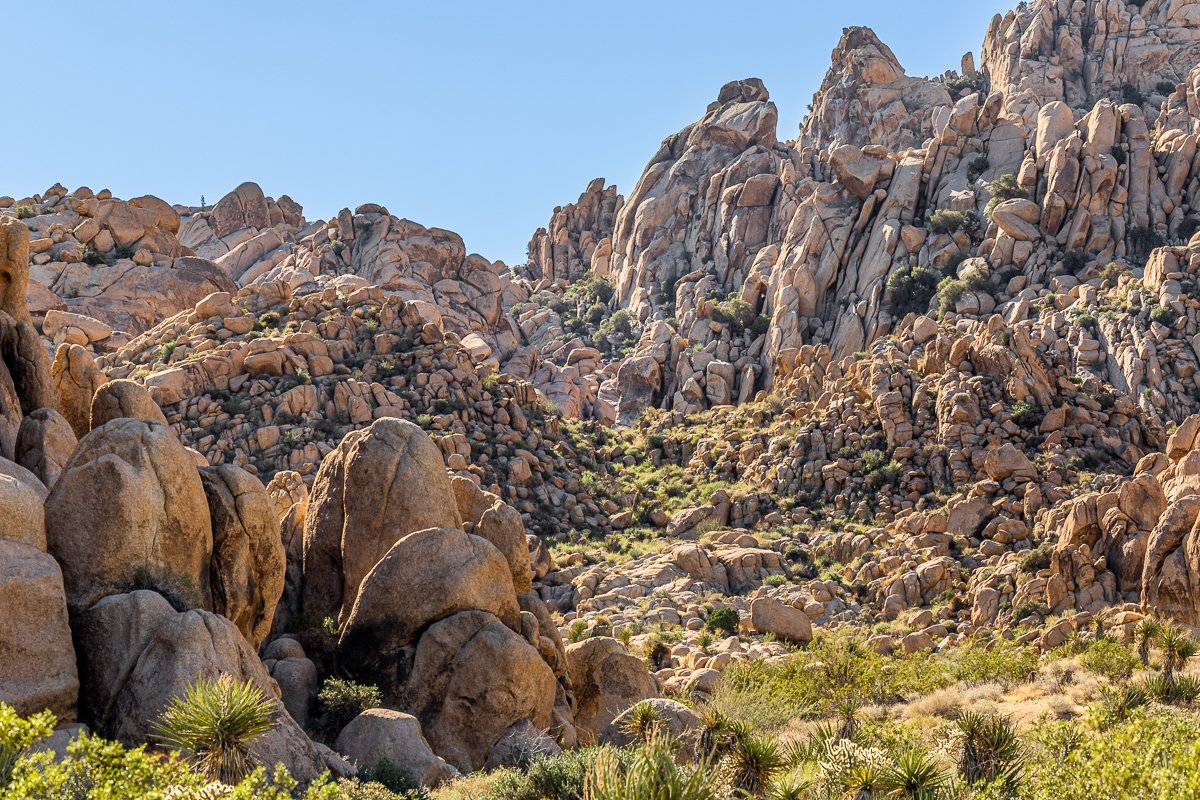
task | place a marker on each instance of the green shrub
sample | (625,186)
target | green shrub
(1004,664)
(911,289)
(24,211)
(215,722)
(950,289)
(17,735)
(652,773)
(1037,559)
(1163,315)
(391,776)
(557,777)
(340,701)
(1131,94)
(945,220)
(723,619)
(1149,756)
(1111,659)
(1026,414)
(1004,188)
(977,166)
(736,313)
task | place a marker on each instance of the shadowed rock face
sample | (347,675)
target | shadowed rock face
(25,384)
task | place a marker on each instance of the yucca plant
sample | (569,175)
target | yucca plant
(1117,703)
(716,733)
(651,774)
(215,722)
(643,722)
(754,762)
(1146,633)
(865,781)
(1177,690)
(1177,649)
(991,750)
(915,775)
(847,712)
(790,787)
(813,747)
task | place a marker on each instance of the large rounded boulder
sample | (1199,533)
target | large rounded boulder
(486,515)
(248,561)
(377,486)
(425,577)
(76,379)
(45,443)
(124,398)
(136,653)
(37,658)
(129,509)
(472,679)
(607,680)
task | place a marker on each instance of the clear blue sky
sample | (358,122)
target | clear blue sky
(477,117)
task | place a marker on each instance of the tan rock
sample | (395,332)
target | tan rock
(769,615)
(45,443)
(380,734)
(76,379)
(38,670)
(607,681)
(130,503)
(472,678)
(248,560)
(426,576)
(379,485)
(124,399)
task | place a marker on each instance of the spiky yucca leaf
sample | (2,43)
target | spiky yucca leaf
(652,774)
(755,761)
(915,775)
(643,722)
(215,722)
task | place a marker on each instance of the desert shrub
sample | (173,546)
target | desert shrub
(24,211)
(991,751)
(215,722)
(1165,87)
(1111,659)
(340,701)
(1147,756)
(736,313)
(1030,608)
(945,220)
(652,773)
(1163,315)
(1004,188)
(1037,559)
(178,588)
(1143,239)
(1131,94)
(725,620)
(1187,228)
(17,735)
(962,85)
(950,289)
(1075,260)
(392,777)
(1004,664)
(557,777)
(911,289)
(774,580)
(1026,414)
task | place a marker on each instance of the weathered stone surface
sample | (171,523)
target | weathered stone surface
(472,678)
(45,443)
(136,653)
(607,680)
(397,466)
(130,503)
(76,379)
(124,398)
(426,576)
(768,615)
(248,559)
(380,734)
(37,671)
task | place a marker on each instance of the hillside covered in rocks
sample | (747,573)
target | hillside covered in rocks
(908,399)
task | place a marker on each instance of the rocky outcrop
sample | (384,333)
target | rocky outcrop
(130,508)
(393,461)
(578,238)
(76,381)
(136,653)
(38,669)
(607,681)
(426,576)
(379,734)
(459,665)
(248,559)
